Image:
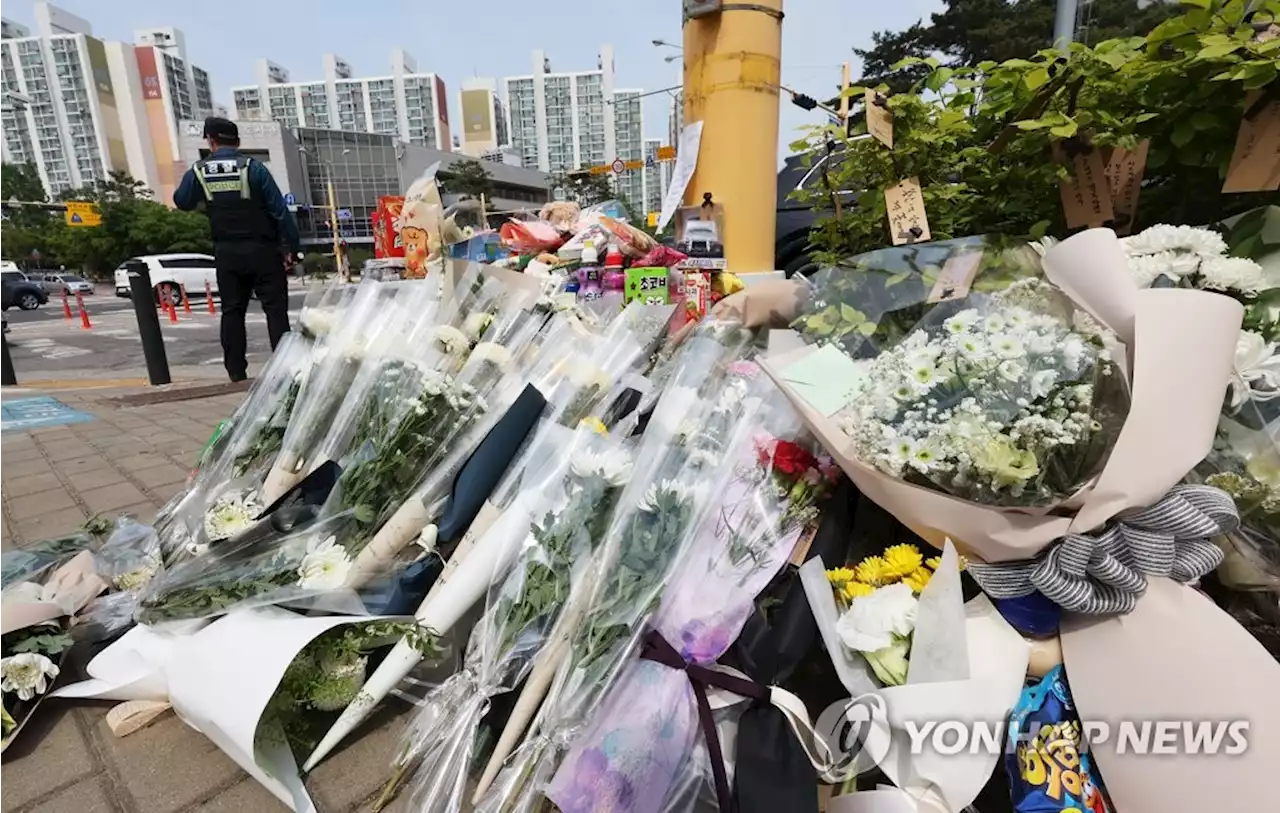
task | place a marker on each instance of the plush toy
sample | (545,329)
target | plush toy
(560,213)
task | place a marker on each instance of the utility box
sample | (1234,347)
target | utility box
(701,8)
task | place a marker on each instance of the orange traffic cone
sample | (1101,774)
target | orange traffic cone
(208,296)
(84,314)
(66,306)
(186,304)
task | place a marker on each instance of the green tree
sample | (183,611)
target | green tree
(117,186)
(584,188)
(468,178)
(22,182)
(980,138)
(967,32)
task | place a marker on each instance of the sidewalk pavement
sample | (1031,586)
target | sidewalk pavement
(132,460)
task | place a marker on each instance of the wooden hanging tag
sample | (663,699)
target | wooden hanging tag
(907,220)
(1124,178)
(1255,162)
(1086,198)
(956,277)
(879,117)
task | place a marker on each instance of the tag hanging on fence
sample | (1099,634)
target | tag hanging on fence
(1255,162)
(879,117)
(907,220)
(1124,176)
(1086,198)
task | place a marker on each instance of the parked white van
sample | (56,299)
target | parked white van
(168,271)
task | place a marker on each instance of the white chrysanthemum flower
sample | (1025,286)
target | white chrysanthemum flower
(1145,269)
(325,565)
(27,674)
(23,593)
(1042,383)
(1159,238)
(1257,370)
(1232,274)
(611,465)
(1043,245)
(962,322)
(872,621)
(318,321)
(475,325)
(994,323)
(1011,370)
(450,340)
(230,514)
(656,493)
(491,353)
(1008,347)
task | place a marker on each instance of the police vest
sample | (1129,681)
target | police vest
(236,212)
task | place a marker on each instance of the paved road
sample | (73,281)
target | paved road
(46,346)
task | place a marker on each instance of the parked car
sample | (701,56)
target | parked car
(20,291)
(168,271)
(55,282)
(795,220)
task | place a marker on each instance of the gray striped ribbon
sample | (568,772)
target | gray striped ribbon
(1106,572)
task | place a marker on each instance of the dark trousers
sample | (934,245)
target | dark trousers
(245,269)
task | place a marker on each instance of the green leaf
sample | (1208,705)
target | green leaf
(848,313)
(1064,130)
(1182,133)
(1036,78)
(1203,120)
(1040,229)
(1195,3)
(1260,75)
(896,278)
(938,78)
(1217,51)
(1032,124)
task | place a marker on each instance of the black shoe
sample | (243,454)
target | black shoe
(237,377)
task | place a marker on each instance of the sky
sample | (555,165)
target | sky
(225,37)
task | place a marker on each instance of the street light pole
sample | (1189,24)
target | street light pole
(1064,24)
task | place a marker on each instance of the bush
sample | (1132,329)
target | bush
(980,139)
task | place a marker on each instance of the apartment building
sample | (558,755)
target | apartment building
(575,120)
(79,107)
(405,104)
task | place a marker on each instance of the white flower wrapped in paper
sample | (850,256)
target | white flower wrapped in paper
(325,565)
(27,674)
(1257,370)
(873,622)
(230,514)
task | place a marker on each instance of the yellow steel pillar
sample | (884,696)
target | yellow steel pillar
(732,69)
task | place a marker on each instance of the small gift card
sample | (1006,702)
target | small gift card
(879,117)
(826,378)
(1086,197)
(907,220)
(1255,163)
(956,277)
(1124,176)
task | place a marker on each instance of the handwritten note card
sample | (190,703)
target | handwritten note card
(879,118)
(1086,196)
(826,378)
(1124,177)
(956,277)
(1255,163)
(907,220)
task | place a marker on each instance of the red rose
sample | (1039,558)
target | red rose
(790,458)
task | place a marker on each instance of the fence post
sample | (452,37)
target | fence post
(148,324)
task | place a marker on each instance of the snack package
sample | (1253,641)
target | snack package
(1048,764)
(530,236)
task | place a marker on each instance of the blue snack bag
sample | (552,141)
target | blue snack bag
(1049,769)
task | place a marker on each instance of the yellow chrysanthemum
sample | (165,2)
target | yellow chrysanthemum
(918,579)
(874,571)
(902,560)
(839,576)
(854,590)
(595,425)
(935,562)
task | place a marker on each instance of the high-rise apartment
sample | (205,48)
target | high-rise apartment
(657,176)
(78,107)
(409,105)
(484,118)
(567,121)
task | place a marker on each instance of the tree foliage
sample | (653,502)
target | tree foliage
(980,138)
(468,178)
(132,224)
(584,188)
(967,32)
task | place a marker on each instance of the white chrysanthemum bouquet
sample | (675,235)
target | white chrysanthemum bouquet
(997,399)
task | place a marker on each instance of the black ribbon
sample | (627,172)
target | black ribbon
(658,650)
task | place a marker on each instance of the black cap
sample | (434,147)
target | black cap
(216,127)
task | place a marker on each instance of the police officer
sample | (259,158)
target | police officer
(248,218)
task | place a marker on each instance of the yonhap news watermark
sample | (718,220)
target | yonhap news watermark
(860,726)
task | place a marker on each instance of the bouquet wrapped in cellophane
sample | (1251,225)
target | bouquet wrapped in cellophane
(557,388)
(365,335)
(568,495)
(635,755)
(698,430)
(1057,489)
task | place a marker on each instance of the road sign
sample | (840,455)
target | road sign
(666,153)
(82,213)
(619,166)
(649,162)
(290,199)
(344,214)
(602,169)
